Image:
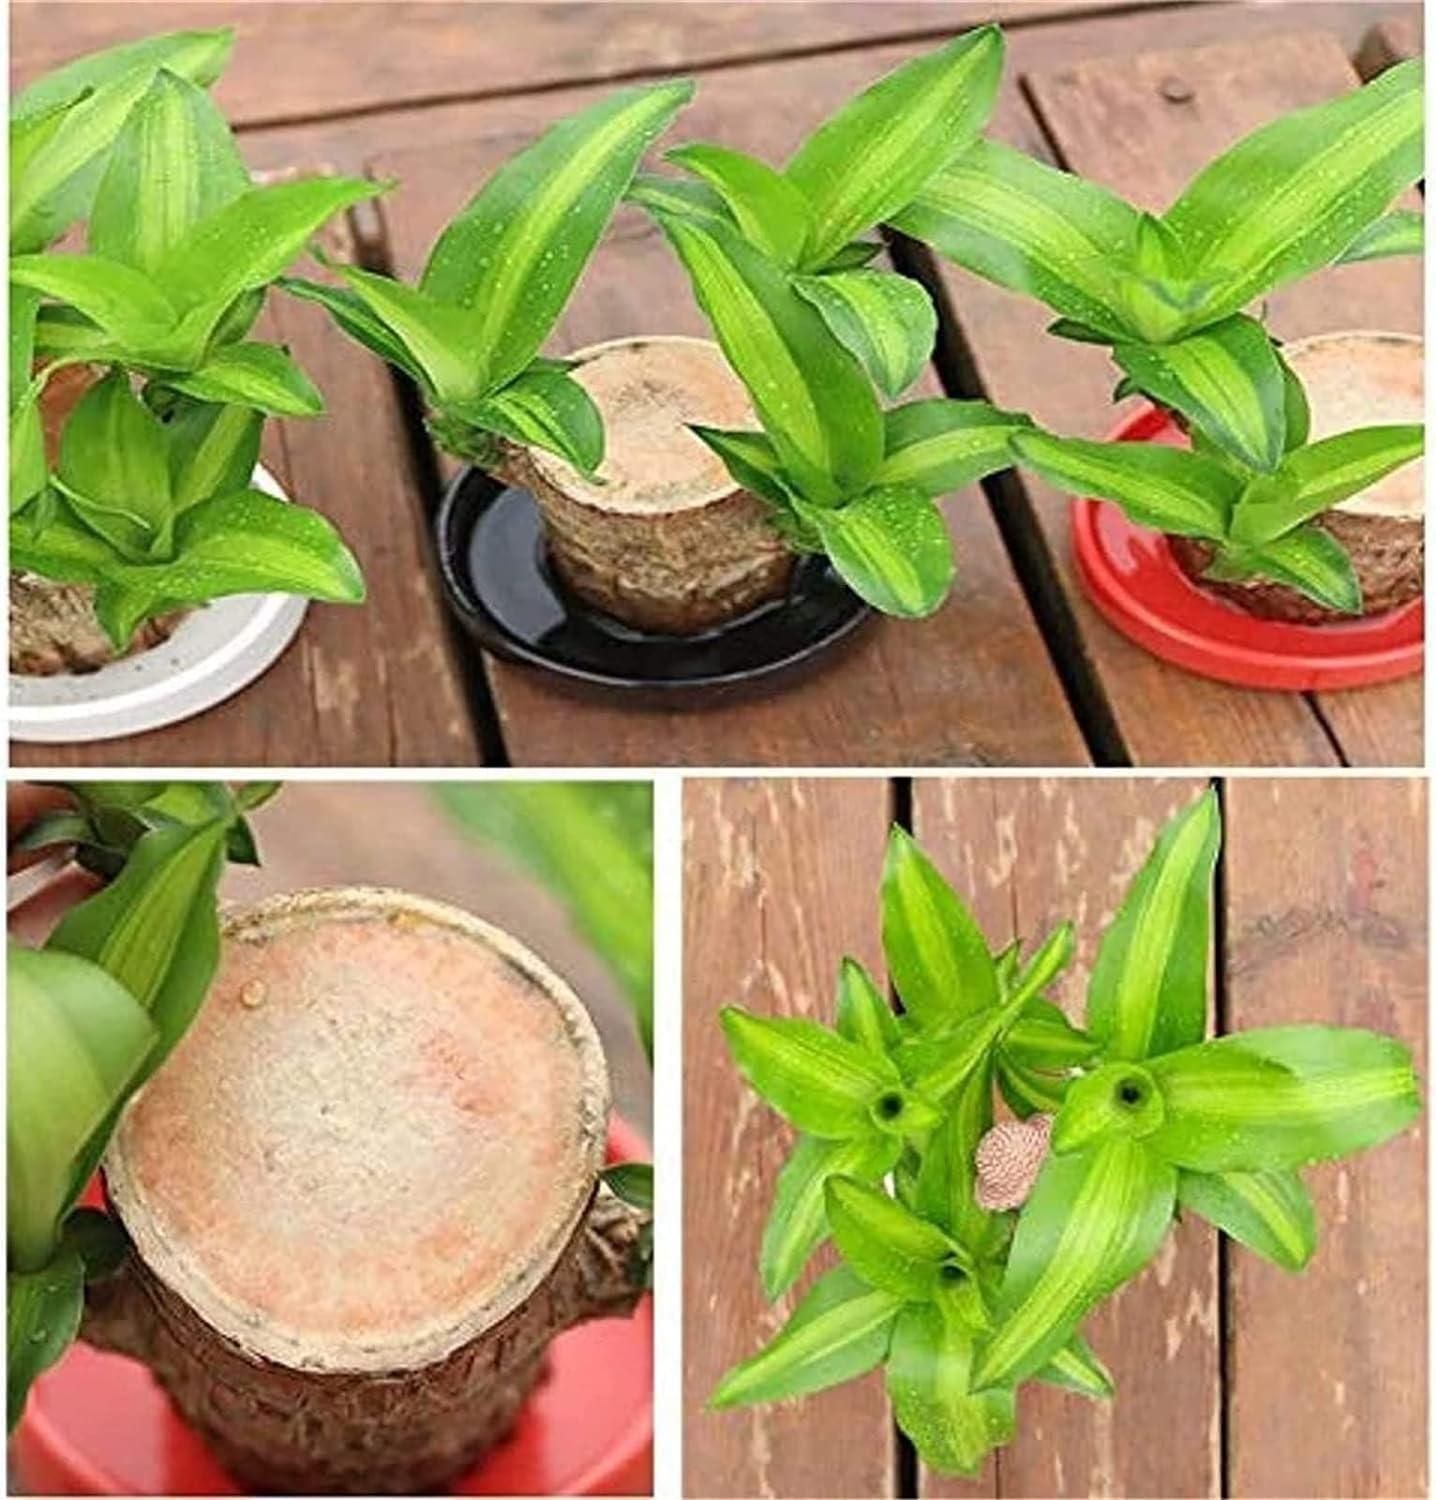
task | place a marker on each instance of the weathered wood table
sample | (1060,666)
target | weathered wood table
(1233,1378)
(1018,669)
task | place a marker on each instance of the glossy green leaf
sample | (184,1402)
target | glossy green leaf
(173,163)
(76,1041)
(886,1244)
(872,158)
(841,1330)
(929,1369)
(935,950)
(1167,489)
(1029,227)
(945,1191)
(798,1221)
(1290,197)
(769,210)
(126,304)
(886,321)
(1029,1091)
(811,395)
(751,460)
(29,472)
(632,1181)
(852,256)
(114,465)
(1043,1038)
(513,255)
(356,318)
(821,1082)
(197,55)
(1041,970)
(1308,559)
(1282,1096)
(1314,478)
(1268,1212)
(1116,1100)
(941,445)
(940,1062)
(1148,991)
(43,1310)
(679,195)
(1077,1368)
(549,409)
(1227,379)
(891,547)
(1093,1220)
(212,450)
(864,1015)
(1401,232)
(256,375)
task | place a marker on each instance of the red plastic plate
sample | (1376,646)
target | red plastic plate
(97,1424)
(1131,576)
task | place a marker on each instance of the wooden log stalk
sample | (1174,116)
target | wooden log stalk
(363,1195)
(664,541)
(1351,380)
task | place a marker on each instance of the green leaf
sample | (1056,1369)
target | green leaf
(1148,991)
(1401,232)
(545,408)
(852,256)
(1041,971)
(1077,1368)
(1268,1212)
(29,472)
(1308,559)
(888,1246)
(1043,1038)
(513,255)
(751,460)
(125,303)
(1030,228)
(1314,478)
(355,317)
(798,1222)
(841,1330)
(947,1179)
(114,465)
(197,55)
(260,376)
(1165,488)
(940,1063)
(173,163)
(886,321)
(212,450)
(936,952)
(1292,196)
(1093,1220)
(872,158)
(677,195)
(1282,1096)
(1227,379)
(864,1015)
(633,1182)
(43,1310)
(1119,1100)
(810,394)
(891,547)
(76,1042)
(928,1372)
(822,1083)
(1027,1090)
(769,210)
(941,445)
(1298,409)
(155,928)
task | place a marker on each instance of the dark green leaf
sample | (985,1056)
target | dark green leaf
(213,450)
(946,1183)
(43,1310)
(1269,1212)
(886,1244)
(358,320)
(1401,232)
(97,1239)
(886,321)
(547,409)
(940,445)
(254,375)
(891,547)
(633,1182)
(1308,559)
(769,210)
(751,460)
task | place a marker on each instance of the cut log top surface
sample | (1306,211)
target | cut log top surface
(648,391)
(1366,379)
(392,1117)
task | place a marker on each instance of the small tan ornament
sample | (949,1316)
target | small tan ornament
(1009,1157)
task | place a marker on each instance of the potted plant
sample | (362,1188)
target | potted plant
(147,501)
(1276,507)
(348,1213)
(973,1251)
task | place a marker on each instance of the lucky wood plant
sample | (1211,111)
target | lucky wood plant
(149,500)
(972,1253)
(91,1015)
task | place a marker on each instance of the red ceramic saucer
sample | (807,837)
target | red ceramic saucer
(1132,578)
(97,1424)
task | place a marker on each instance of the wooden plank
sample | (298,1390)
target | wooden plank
(1387,43)
(781,880)
(973,685)
(1025,854)
(1326,888)
(371,684)
(301,61)
(1144,126)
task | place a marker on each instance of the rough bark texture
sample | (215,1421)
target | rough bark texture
(281,1430)
(647,553)
(54,628)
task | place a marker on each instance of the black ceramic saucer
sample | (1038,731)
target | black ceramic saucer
(497,577)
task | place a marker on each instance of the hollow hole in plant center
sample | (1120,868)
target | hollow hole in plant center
(1130,1092)
(951,1273)
(890,1106)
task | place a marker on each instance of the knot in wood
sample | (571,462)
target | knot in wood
(1176,90)
(1009,1157)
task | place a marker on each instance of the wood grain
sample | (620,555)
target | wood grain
(1327,911)
(780,882)
(1387,43)
(1025,854)
(302,61)
(972,685)
(365,685)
